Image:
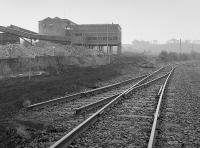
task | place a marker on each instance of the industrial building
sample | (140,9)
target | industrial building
(101,36)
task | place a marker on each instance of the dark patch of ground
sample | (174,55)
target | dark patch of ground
(13,93)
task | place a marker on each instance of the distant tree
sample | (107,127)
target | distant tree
(187,42)
(5,69)
(172,56)
(163,56)
(10,50)
(172,41)
(194,54)
(60,56)
(135,42)
(184,57)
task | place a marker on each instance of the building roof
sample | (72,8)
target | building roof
(48,19)
(21,29)
(98,24)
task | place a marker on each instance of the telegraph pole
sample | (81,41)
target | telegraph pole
(180,47)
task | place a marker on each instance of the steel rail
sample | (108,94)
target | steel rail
(147,78)
(85,93)
(68,138)
(152,139)
(89,92)
(90,106)
(101,89)
(159,92)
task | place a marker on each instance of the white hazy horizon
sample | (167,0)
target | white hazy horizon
(140,19)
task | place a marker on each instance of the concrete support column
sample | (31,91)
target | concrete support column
(111,50)
(110,53)
(107,48)
(101,48)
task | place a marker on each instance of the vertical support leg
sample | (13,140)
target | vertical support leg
(111,50)
(111,53)
(101,52)
(104,51)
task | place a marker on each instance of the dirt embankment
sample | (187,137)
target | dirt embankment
(13,92)
(46,56)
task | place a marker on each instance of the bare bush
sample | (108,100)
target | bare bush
(5,69)
(26,103)
(173,56)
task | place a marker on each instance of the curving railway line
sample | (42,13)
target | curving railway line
(179,123)
(112,89)
(115,118)
(75,114)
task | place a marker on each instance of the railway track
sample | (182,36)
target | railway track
(87,93)
(124,94)
(111,89)
(179,120)
(65,113)
(156,122)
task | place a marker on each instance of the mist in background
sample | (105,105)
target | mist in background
(154,48)
(140,19)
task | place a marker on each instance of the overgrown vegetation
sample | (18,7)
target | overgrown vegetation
(174,56)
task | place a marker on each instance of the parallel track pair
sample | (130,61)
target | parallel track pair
(109,102)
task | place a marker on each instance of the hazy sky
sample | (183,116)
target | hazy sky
(140,19)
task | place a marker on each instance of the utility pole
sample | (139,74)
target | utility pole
(180,47)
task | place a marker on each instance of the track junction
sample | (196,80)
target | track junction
(79,114)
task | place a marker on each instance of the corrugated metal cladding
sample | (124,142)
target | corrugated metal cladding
(6,38)
(87,34)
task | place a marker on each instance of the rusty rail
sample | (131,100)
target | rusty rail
(85,93)
(68,138)
(154,130)
(90,106)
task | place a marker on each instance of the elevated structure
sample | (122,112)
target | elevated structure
(24,34)
(100,36)
(89,35)
(6,38)
(21,29)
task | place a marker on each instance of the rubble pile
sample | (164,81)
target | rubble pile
(17,58)
(14,51)
(66,50)
(44,49)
